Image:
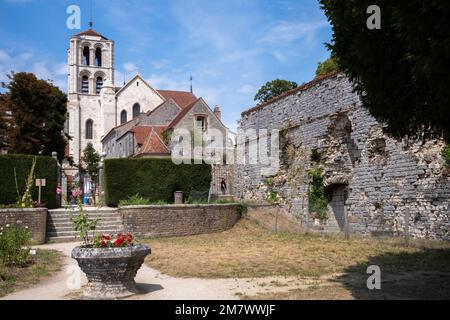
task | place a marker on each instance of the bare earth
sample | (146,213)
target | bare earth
(156,286)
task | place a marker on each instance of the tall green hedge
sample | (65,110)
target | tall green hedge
(46,168)
(155,179)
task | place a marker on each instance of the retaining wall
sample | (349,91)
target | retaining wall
(178,220)
(34,219)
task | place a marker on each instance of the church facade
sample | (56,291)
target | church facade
(135,115)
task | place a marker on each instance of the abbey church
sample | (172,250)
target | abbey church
(103,114)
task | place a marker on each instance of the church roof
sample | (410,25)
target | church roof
(182,98)
(152,141)
(93,33)
(183,113)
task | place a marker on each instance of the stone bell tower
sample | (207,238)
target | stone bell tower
(90,91)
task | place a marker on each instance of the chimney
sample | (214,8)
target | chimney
(217,112)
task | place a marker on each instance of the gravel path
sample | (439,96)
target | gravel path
(152,284)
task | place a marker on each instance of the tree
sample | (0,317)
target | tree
(38,113)
(5,120)
(92,159)
(273,89)
(400,70)
(327,66)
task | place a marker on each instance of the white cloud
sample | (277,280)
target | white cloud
(247,88)
(291,31)
(42,67)
(4,56)
(130,67)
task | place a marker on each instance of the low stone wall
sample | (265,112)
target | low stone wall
(178,220)
(34,219)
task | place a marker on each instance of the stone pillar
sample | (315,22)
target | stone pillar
(101,180)
(64,201)
(179,197)
(58,179)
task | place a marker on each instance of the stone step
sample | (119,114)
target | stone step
(66,222)
(69,219)
(75,233)
(90,214)
(62,239)
(70,228)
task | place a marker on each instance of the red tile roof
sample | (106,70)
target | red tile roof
(153,144)
(141,133)
(93,33)
(182,98)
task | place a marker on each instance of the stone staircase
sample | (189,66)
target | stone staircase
(60,226)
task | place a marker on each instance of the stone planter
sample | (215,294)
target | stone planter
(110,271)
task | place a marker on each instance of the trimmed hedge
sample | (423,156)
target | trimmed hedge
(46,168)
(155,179)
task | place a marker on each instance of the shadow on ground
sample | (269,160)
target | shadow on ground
(419,275)
(145,288)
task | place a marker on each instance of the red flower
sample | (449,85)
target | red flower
(104,244)
(106,237)
(119,242)
(130,238)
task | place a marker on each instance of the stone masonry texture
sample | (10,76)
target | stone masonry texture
(34,219)
(178,220)
(379,185)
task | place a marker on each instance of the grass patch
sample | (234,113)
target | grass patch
(249,250)
(43,264)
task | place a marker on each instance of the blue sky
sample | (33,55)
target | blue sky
(231,47)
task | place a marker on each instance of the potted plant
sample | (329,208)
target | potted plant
(110,262)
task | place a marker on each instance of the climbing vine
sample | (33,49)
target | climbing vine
(167,136)
(317,197)
(446,154)
(272,196)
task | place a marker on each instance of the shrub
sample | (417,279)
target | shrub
(317,196)
(153,179)
(191,200)
(134,200)
(14,244)
(242,209)
(46,168)
(224,201)
(446,154)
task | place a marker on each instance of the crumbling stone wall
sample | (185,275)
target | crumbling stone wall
(376,184)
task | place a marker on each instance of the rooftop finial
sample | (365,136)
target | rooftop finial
(91,23)
(192,91)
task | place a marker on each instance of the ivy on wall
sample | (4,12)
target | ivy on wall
(317,196)
(446,154)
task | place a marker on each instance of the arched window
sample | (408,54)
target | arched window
(85,85)
(123,117)
(98,57)
(136,110)
(98,84)
(86,53)
(89,129)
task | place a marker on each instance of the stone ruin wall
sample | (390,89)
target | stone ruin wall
(388,187)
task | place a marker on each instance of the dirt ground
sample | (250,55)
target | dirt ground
(252,262)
